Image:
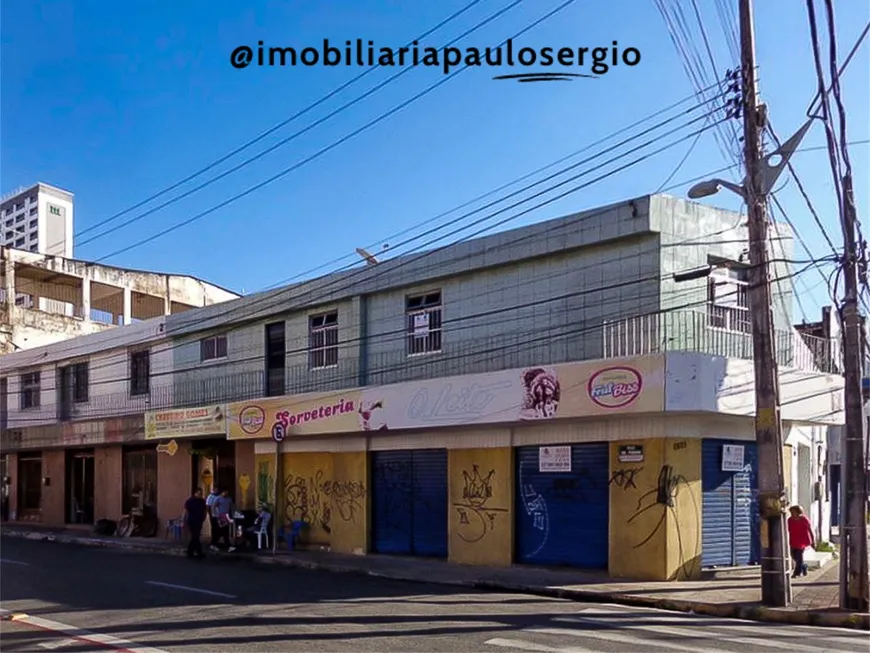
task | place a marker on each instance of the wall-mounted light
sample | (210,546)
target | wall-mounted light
(46,481)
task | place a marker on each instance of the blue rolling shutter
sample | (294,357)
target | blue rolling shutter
(563,518)
(730,525)
(392,502)
(429,536)
(409,502)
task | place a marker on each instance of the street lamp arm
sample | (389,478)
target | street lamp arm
(769,171)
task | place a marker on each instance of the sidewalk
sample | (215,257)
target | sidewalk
(733,594)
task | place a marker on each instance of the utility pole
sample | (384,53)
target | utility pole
(775,582)
(854,593)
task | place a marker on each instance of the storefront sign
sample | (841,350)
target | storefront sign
(185,422)
(615,387)
(631,453)
(570,390)
(554,459)
(732,458)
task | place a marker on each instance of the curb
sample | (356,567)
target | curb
(852,620)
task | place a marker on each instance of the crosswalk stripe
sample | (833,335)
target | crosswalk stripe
(612,635)
(760,629)
(691,632)
(55,644)
(523,645)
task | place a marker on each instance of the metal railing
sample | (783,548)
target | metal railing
(690,331)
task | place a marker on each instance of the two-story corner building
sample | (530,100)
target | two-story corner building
(45,298)
(555,394)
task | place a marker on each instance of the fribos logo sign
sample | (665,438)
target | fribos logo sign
(615,387)
(251,419)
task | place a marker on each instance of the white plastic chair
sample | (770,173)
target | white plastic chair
(263,531)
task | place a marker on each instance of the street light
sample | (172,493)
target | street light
(713,186)
(768,171)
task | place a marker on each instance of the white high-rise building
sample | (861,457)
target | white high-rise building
(38,219)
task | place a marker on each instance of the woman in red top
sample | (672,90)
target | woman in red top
(800,536)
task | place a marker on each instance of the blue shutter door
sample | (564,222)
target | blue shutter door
(429,535)
(563,518)
(409,502)
(392,502)
(730,529)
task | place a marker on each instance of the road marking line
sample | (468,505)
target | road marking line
(613,635)
(14,562)
(87,636)
(693,631)
(58,644)
(523,645)
(786,631)
(189,589)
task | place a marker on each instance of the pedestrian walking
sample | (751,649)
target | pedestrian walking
(194,517)
(223,511)
(800,537)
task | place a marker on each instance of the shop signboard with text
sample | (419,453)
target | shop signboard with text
(569,390)
(185,422)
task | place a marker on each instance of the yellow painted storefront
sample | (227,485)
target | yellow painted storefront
(655,510)
(328,491)
(655,505)
(480,500)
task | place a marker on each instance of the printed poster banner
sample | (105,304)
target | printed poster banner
(568,390)
(185,422)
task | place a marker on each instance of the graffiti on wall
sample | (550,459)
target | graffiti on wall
(316,499)
(305,500)
(625,478)
(662,501)
(477,517)
(348,498)
(535,507)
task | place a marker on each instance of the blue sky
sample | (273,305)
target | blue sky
(117,100)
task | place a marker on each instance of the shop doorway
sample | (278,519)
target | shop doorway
(80,487)
(29,486)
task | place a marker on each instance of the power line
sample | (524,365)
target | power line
(366,271)
(327,148)
(575,221)
(278,126)
(407,365)
(296,134)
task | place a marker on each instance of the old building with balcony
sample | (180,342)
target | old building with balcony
(508,399)
(45,299)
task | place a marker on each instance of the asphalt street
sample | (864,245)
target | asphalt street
(86,599)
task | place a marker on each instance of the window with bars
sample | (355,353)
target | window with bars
(140,373)
(213,348)
(81,382)
(30,390)
(423,323)
(323,340)
(728,300)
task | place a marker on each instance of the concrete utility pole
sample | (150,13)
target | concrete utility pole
(854,593)
(775,583)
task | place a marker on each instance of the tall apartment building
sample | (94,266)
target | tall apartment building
(38,219)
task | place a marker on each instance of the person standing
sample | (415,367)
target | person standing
(800,537)
(212,515)
(194,517)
